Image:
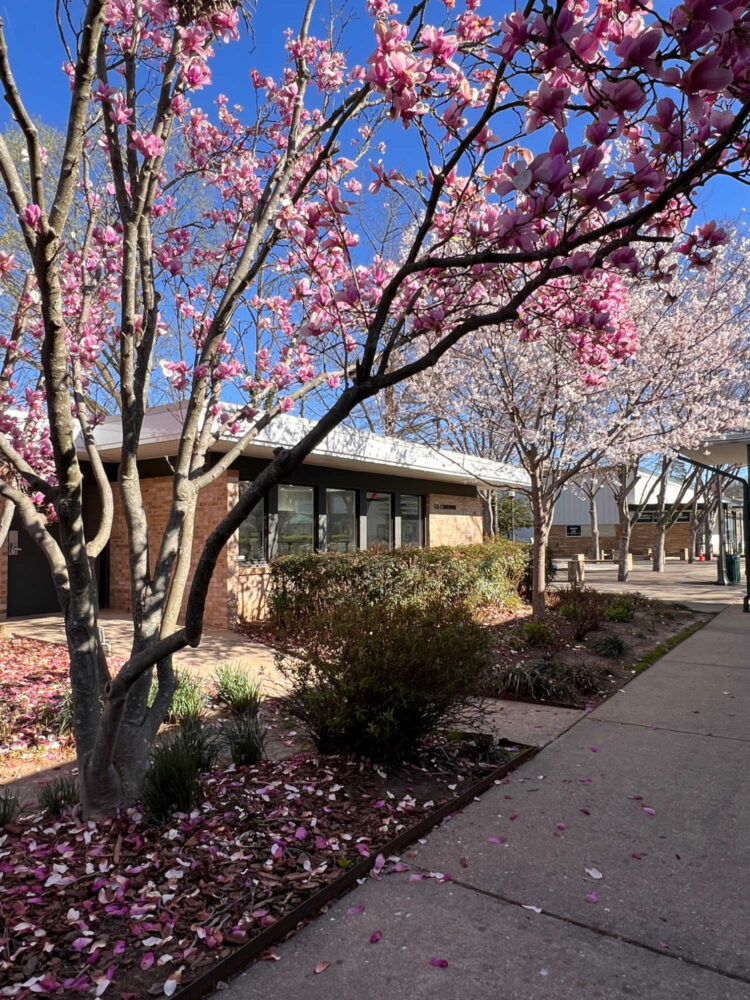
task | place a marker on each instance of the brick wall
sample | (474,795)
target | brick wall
(641,538)
(251,587)
(453,520)
(212,505)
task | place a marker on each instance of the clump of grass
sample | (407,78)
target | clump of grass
(609,645)
(65,715)
(549,680)
(200,741)
(237,691)
(244,738)
(189,700)
(55,796)
(171,782)
(9,807)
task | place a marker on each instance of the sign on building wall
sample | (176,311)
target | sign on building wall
(444,506)
(573,530)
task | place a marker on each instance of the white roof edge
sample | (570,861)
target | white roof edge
(162,425)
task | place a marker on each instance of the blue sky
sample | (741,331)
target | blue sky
(36,57)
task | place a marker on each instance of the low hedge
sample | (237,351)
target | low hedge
(305,586)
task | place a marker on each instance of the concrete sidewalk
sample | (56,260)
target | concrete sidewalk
(651,791)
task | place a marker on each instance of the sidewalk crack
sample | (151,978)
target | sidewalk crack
(611,935)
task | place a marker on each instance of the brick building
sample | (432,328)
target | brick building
(571,528)
(355,491)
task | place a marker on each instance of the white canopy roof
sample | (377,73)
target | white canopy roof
(728,450)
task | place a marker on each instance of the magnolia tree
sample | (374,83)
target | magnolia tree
(253,296)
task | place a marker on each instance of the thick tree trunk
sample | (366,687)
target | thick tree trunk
(542,518)
(659,560)
(594,519)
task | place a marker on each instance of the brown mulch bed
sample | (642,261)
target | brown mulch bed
(134,909)
(654,623)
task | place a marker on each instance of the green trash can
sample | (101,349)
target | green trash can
(733,567)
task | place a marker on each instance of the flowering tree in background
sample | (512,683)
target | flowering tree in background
(543,390)
(259,294)
(688,383)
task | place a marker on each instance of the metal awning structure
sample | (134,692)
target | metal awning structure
(732,449)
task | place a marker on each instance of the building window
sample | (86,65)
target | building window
(296,519)
(378,520)
(252,534)
(411,521)
(342,520)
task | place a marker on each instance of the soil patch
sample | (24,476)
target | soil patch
(648,636)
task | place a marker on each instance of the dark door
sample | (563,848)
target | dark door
(30,587)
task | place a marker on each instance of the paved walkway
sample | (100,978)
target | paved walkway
(681,582)
(218,646)
(652,791)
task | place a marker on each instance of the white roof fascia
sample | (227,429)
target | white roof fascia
(343,447)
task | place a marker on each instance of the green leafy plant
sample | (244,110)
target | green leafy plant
(619,609)
(237,691)
(537,633)
(9,807)
(549,680)
(376,679)
(171,782)
(582,607)
(609,645)
(189,700)
(244,737)
(56,795)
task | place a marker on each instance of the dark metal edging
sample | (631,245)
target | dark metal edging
(242,957)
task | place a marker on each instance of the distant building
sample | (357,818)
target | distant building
(571,526)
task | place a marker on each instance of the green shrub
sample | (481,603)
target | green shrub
(245,739)
(620,609)
(171,781)
(609,645)
(304,587)
(189,700)
(9,806)
(376,679)
(582,607)
(549,680)
(538,633)
(56,795)
(237,691)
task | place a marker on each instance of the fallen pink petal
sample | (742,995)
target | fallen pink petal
(354,910)
(375,937)
(439,963)
(592,898)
